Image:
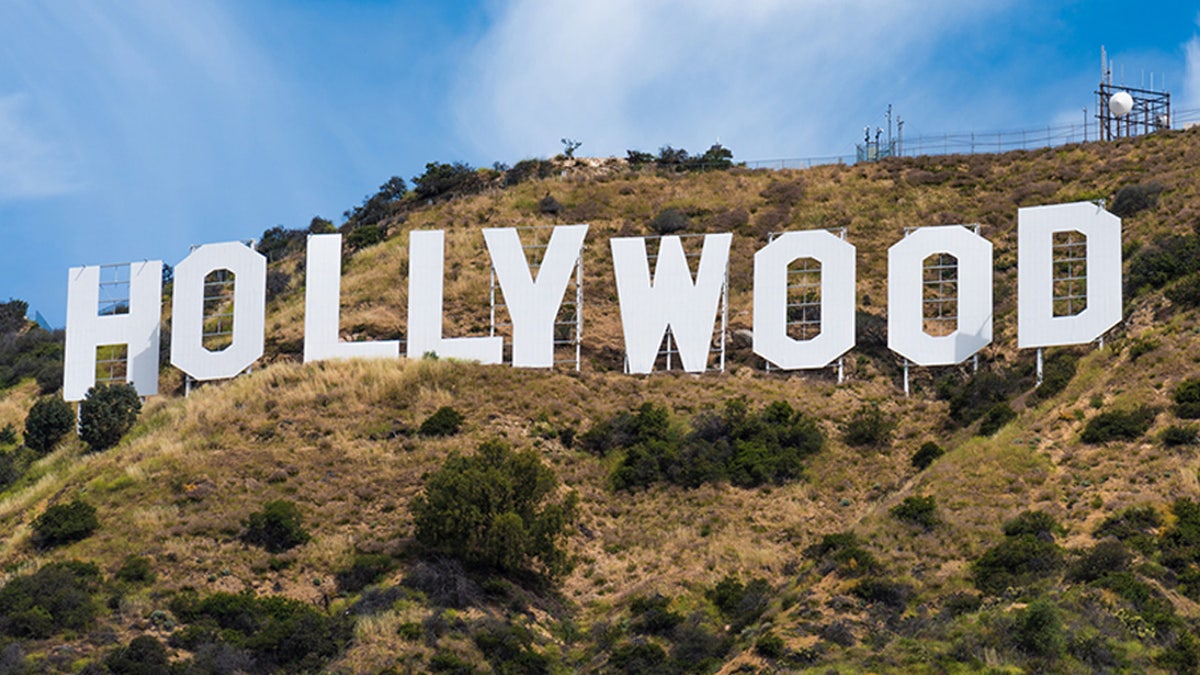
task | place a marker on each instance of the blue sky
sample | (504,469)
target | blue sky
(133,129)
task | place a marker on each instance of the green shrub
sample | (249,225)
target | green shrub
(1039,631)
(1180,546)
(741,604)
(1103,558)
(1027,555)
(995,418)
(920,511)
(1037,523)
(844,552)
(48,421)
(891,594)
(670,221)
(868,426)
(1182,656)
(136,570)
(57,597)
(280,634)
(1187,399)
(1127,425)
(769,646)
(1135,526)
(1176,435)
(444,181)
(144,655)
(106,413)
(1186,291)
(1162,262)
(1057,370)
(1141,346)
(1132,199)
(363,236)
(926,454)
(746,448)
(444,422)
(509,648)
(64,523)
(635,658)
(366,569)
(496,507)
(650,615)
(276,528)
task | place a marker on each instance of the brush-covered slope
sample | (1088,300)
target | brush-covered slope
(848,567)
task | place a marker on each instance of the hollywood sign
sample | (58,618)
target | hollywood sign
(649,303)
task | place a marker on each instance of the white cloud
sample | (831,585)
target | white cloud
(1191,73)
(769,78)
(31,165)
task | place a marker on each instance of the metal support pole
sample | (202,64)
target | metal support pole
(841,369)
(578,311)
(905,378)
(1039,366)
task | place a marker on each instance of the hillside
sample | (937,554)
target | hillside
(838,570)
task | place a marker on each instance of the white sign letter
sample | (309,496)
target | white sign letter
(426,252)
(771,340)
(1036,324)
(672,300)
(906,315)
(322,293)
(533,304)
(137,329)
(188,352)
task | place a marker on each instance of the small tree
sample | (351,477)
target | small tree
(48,421)
(106,413)
(277,527)
(496,508)
(64,523)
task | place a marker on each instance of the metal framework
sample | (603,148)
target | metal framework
(568,325)
(939,298)
(112,361)
(1151,111)
(1069,276)
(667,352)
(218,310)
(217,332)
(804,299)
(939,281)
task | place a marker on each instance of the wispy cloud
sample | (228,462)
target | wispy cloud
(766,78)
(31,165)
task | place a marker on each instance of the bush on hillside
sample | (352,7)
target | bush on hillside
(741,604)
(670,221)
(1027,555)
(842,551)
(926,454)
(1180,546)
(1185,292)
(277,528)
(496,507)
(918,510)
(444,181)
(55,598)
(1125,425)
(136,570)
(1104,558)
(1187,399)
(144,655)
(1132,199)
(273,633)
(868,426)
(106,413)
(445,421)
(48,421)
(995,418)
(1168,258)
(365,569)
(64,523)
(32,353)
(746,448)
(1177,435)
(1039,631)
(1136,526)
